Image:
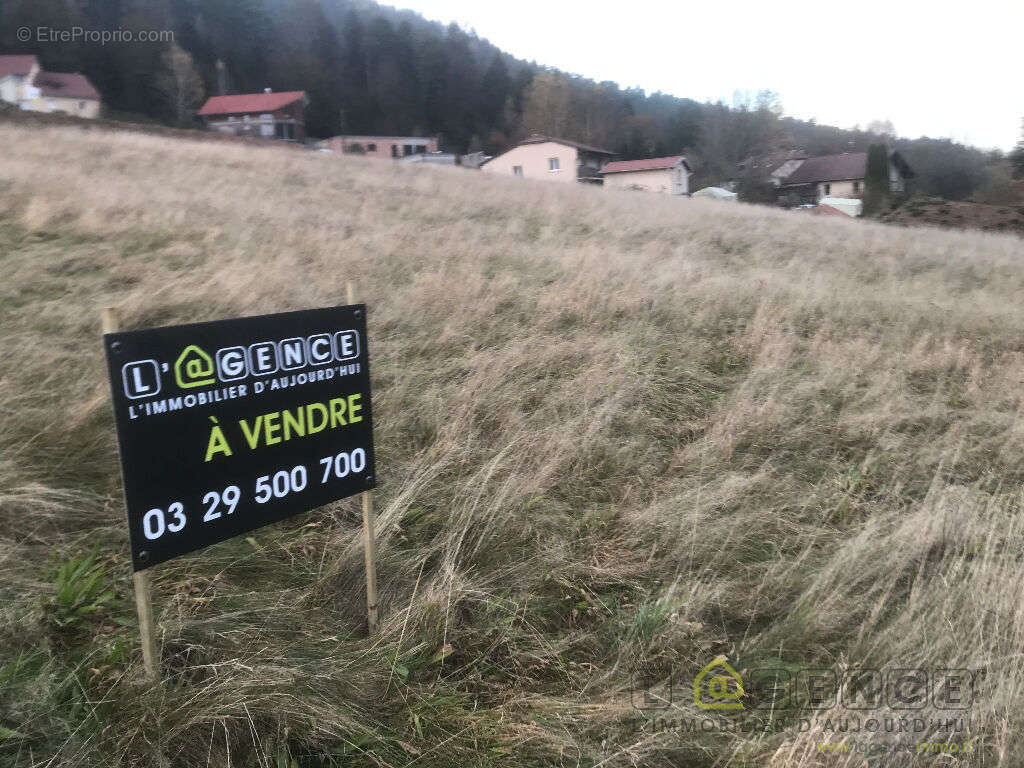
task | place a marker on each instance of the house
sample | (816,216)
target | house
(667,175)
(381,147)
(67,92)
(23,83)
(268,114)
(837,176)
(545,157)
(770,168)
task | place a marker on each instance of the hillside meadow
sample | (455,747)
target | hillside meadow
(618,437)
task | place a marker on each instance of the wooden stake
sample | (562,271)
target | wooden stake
(370,552)
(369,531)
(147,626)
(140,579)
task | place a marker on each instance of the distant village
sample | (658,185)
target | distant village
(828,185)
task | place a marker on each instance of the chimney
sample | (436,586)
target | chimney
(267,90)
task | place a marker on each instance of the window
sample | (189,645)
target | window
(553,164)
(81,105)
(828,189)
(517,170)
(856,187)
(371,147)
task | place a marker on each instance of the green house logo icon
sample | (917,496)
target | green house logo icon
(718,686)
(194,368)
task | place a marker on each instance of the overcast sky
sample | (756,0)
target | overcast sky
(944,69)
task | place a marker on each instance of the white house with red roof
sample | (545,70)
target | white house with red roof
(24,84)
(268,114)
(667,175)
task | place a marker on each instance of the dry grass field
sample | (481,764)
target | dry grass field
(617,435)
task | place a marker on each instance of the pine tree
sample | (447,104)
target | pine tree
(322,83)
(494,90)
(1017,157)
(357,104)
(876,183)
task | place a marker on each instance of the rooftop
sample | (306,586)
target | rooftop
(767,163)
(249,102)
(851,165)
(17,64)
(648,164)
(68,85)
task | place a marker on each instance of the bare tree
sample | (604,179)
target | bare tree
(883,128)
(180,84)
(548,106)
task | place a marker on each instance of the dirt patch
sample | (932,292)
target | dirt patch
(960,215)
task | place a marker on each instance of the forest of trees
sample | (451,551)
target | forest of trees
(372,69)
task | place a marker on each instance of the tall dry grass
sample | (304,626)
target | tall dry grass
(615,433)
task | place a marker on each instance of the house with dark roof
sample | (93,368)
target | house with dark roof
(840,176)
(269,115)
(770,168)
(667,175)
(24,84)
(551,159)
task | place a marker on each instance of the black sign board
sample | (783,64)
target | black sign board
(228,426)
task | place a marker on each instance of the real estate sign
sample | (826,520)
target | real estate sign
(227,426)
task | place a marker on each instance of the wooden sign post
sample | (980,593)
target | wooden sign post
(140,579)
(369,531)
